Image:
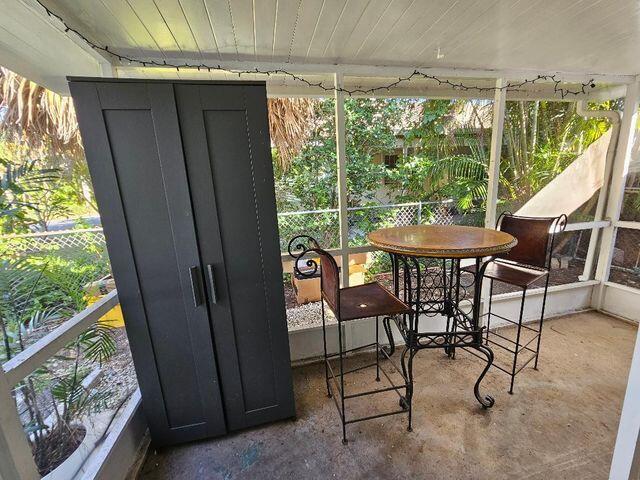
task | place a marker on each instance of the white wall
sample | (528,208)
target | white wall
(306,344)
(621,301)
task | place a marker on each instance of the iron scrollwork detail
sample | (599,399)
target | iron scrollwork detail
(300,246)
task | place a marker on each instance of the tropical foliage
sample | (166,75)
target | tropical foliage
(540,140)
(37,294)
(446,152)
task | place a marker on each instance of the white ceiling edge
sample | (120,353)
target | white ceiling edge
(37,47)
(34,47)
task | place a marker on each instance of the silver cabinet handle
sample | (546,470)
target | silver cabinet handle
(196,285)
(212,282)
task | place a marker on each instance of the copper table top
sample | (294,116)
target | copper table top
(442,241)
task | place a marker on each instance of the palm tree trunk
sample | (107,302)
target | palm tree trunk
(524,145)
(534,125)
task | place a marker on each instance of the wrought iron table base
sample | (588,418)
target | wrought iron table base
(432,291)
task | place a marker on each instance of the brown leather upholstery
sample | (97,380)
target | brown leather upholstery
(330,278)
(361,301)
(533,239)
(369,300)
(512,274)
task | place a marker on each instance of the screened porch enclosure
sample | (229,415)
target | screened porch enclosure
(538,118)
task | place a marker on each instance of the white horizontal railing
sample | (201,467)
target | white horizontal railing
(574,227)
(32,357)
(307,212)
(627,224)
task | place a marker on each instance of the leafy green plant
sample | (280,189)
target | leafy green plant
(33,295)
(19,181)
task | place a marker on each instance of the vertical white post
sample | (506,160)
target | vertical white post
(499,102)
(620,168)
(497,126)
(629,427)
(594,240)
(16,462)
(341,157)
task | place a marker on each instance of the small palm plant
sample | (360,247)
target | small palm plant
(56,397)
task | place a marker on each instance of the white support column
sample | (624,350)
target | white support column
(499,102)
(594,239)
(620,168)
(16,462)
(494,155)
(341,157)
(629,428)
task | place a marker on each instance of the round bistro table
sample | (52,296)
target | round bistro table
(427,275)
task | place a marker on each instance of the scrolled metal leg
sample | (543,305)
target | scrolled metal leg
(410,389)
(452,348)
(404,401)
(487,401)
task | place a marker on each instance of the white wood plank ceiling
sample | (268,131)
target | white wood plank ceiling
(536,36)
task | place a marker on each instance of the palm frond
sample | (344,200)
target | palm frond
(37,117)
(98,343)
(42,119)
(290,124)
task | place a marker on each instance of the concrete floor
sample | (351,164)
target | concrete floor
(561,421)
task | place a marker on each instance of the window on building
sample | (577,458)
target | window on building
(391,161)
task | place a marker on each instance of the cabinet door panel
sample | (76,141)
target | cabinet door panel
(229,164)
(134,151)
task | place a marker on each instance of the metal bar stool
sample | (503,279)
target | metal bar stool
(527,262)
(352,303)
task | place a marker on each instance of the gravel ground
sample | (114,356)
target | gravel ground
(118,372)
(308,315)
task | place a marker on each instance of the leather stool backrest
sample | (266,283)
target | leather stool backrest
(329,280)
(535,238)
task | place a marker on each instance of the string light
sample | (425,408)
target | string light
(558,89)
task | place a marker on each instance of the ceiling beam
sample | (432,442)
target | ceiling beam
(610,93)
(392,71)
(275,91)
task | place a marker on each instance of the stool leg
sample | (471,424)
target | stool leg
(324,345)
(342,413)
(544,302)
(377,351)
(489,311)
(515,356)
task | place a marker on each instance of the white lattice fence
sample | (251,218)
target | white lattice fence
(321,224)
(363,220)
(65,241)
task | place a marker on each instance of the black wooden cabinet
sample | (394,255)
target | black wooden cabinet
(183,177)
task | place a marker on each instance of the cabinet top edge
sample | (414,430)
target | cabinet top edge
(159,80)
